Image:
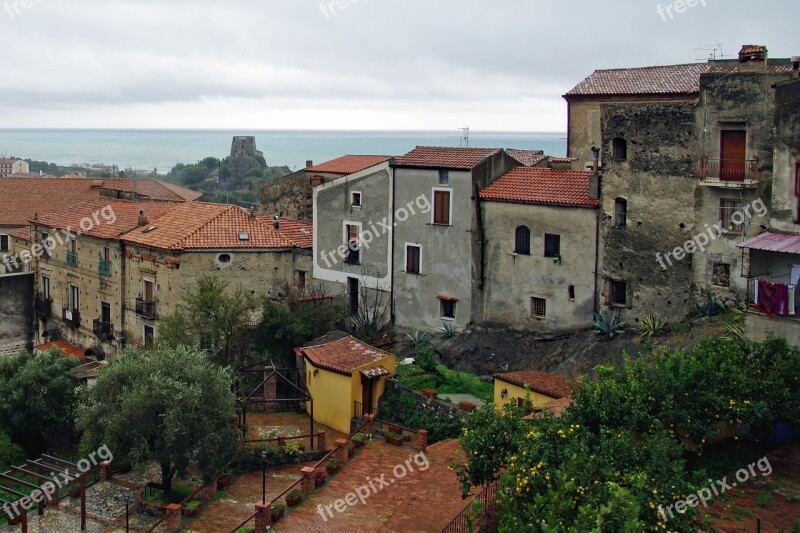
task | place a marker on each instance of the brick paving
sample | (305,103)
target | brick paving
(418,502)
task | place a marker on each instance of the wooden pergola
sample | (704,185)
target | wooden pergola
(45,470)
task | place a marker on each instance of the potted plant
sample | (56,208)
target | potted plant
(467,406)
(224,478)
(294,497)
(277,511)
(192,508)
(319,478)
(358,439)
(393,438)
(332,466)
(429,393)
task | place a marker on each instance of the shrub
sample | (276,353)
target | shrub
(448,328)
(358,437)
(293,449)
(333,463)
(713,306)
(418,338)
(426,358)
(193,505)
(251,460)
(608,323)
(394,436)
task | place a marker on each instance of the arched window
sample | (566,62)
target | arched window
(522,241)
(620,212)
(619,149)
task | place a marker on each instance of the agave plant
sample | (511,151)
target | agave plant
(650,325)
(449,329)
(712,306)
(735,331)
(418,338)
(608,323)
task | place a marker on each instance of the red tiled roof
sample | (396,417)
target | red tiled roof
(549,186)
(442,157)
(551,159)
(774,242)
(206,226)
(22,198)
(672,79)
(21,233)
(151,189)
(552,385)
(125,216)
(349,164)
(343,355)
(68,349)
(735,67)
(300,233)
(529,158)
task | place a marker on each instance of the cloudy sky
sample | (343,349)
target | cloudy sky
(353,64)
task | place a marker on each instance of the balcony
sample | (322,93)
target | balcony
(104,330)
(72,317)
(145,309)
(72,259)
(43,306)
(353,257)
(104,267)
(725,173)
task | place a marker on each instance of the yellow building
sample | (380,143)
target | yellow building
(546,390)
(344,375)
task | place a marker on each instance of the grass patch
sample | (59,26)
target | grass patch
(178,494)
(446,382)
(764,499)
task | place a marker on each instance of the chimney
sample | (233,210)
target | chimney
(594,180)
(142,218)
(252,213)
(277,222)
(309,163)
(795,66)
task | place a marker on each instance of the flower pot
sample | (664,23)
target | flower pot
(190,513)
(393,440)
(429,393)
(467,406)
(358,443)
(331,469)
(276,515)
(293,501)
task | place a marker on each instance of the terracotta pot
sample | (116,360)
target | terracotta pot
(277,515)
(191,513)
(392,440)
(291,502)
(331,469)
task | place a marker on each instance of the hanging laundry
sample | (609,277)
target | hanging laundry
(767,297)
(792,300)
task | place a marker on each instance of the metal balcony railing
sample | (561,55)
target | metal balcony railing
(72,317)
(104,267)
(104,330)
(43,306)
(145,309)
(728,170)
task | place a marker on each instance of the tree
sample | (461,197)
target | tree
(212,318)
(170,405)
(37,399)
(10,453)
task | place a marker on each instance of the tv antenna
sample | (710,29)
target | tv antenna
(714,51)
(465,137)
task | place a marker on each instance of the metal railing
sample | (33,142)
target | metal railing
(468,520)
(728,170)
(104,330)
(71,317)
(104,267)
(145,308)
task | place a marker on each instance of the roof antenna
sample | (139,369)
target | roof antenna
(465,137)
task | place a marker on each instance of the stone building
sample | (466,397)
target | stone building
(352,202)
(245,146)
(9,167)
(683,148)
(541,250)
(771,268)
(438,268)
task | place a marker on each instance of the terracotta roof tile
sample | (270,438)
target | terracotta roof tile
(529,158)
(553,385)
(206,226)
(125,216)
(672,79)
(21,233)
(349,164)
(22,198)
(300,233)
(441,157)
(343,355)
(548,186)
(68,349)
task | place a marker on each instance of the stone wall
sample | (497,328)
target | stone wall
(289,196)
(16,313)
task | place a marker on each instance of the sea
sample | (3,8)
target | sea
(160,150)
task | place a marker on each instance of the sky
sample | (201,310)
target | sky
(498,65)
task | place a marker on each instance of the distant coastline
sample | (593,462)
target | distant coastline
(162,149)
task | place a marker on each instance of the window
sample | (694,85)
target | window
(441,207)
(355,199)
(730,215)
(444,177)
(137,251)
(4,247)
(619,149)
(224,258)
(571,291)
(45,288)
(352,293)
(618,293)
(74,298)
(45,244)
(301,280)
(351,236)
(538,307)
(552,245)
(413,263)
(797,191)
(160,256)
(448,308)
(73,246)
(522,241)
(149,336)
(721,275)
(620,212)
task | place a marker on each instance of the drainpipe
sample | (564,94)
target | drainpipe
(595,193)
(391,246)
